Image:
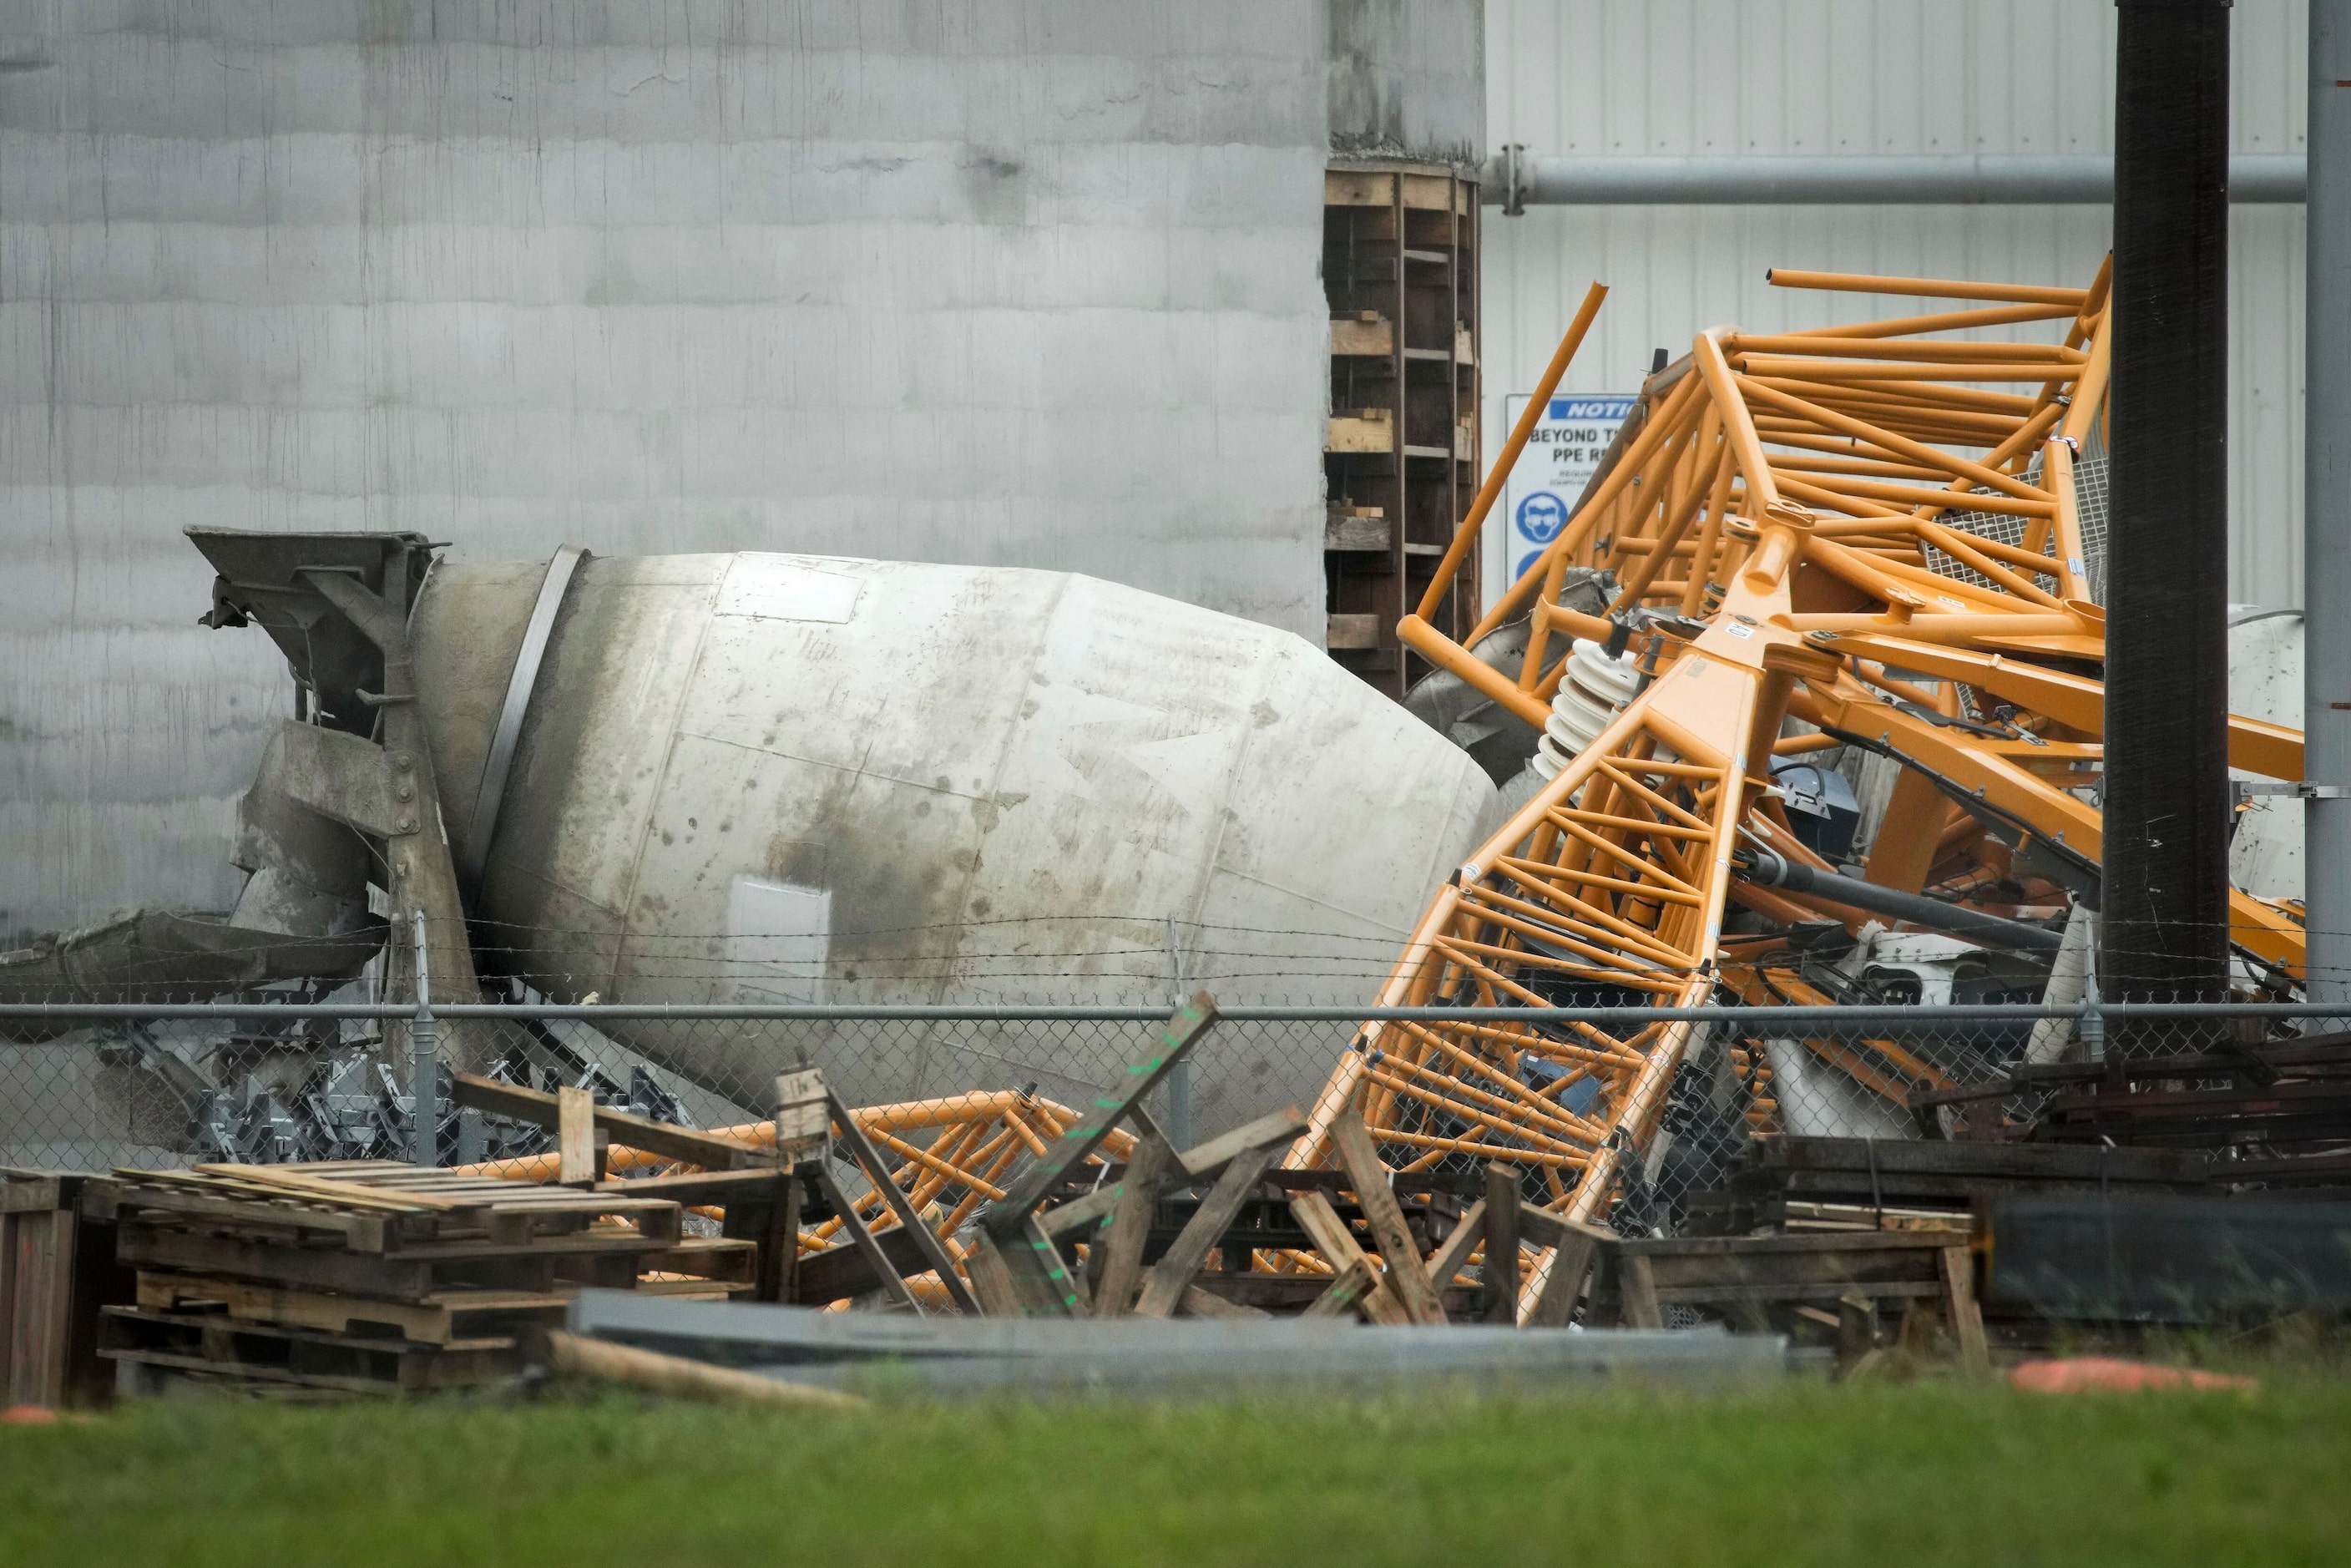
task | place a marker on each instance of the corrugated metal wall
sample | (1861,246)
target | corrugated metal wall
(1592,77)
(1020,282)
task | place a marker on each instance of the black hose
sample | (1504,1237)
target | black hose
(1773,870)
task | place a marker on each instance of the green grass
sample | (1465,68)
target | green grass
(1802,1472)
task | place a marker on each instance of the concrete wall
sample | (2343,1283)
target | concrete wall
(1590,78)
(1002,283)
(1408,79)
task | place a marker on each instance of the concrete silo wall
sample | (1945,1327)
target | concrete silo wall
(1027,285)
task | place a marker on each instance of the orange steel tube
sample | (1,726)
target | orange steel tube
(1446,654)
(1888,440)
(1962,408)
(1880,348)
(2018,443)
(1900,370)
(1709,538)
(2072,567)
(1467,534)
(1926,288)
(2101,286)
(2090,388)
(1539,628)
(1665,419)
(1738,425)
(1683,508)
(1948,320)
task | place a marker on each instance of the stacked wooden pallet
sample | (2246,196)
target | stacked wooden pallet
(370,1276)
(2288,1101)
(1808,1182)
(55,1266)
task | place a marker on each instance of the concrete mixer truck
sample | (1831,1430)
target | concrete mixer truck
(763,777)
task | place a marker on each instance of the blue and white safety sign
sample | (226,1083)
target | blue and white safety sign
(1562,456)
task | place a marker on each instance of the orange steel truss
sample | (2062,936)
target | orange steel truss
(975,1141)
(1791,519)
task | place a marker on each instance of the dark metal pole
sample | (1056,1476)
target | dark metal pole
(2163,931)
(2326,509)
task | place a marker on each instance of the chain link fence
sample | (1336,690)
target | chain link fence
(98,1086)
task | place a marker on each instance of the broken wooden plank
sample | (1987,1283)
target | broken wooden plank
(1042,1279)
(1282,1126)
(841,1273)
(1204,1159)
(1201,1303)
(1079,1212)
(1454,1251)
(1164,1285)
(885,1269)
(1575,1247)
(663,1139)
(1352,1290)
(991,1281)
(1959,1304)
(1130,1227)
(575,1137)
(1404,1274)
(803,1115)
(1009,1216)
(927,1240)
(1338,1246)
(1501,1288)
(1639,1288)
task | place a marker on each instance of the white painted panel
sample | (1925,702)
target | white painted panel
(779,588)
(779,935)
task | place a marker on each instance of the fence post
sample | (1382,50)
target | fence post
(2094,1022)
(1179,1078)
(424,1064)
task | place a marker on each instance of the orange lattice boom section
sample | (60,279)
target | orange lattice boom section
(1800,526)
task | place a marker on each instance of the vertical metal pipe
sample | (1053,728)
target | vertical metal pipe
(423,1062)
(1179,1077)
(2326,506)
(2164,923)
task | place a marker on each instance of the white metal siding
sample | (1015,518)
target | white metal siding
(1588,78)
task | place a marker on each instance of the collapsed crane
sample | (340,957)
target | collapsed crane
(1885,537)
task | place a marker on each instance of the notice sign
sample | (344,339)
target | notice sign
(1562,456)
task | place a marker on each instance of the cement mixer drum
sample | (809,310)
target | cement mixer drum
(772,778)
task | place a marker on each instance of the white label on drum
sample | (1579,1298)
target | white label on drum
(778,940)
(779,588)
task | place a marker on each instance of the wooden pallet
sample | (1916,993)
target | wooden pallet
(1744,1276)
(220,1346)
(55,1266)
(374,1276)
(379,1207)
(731,1261)
(445,1318)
